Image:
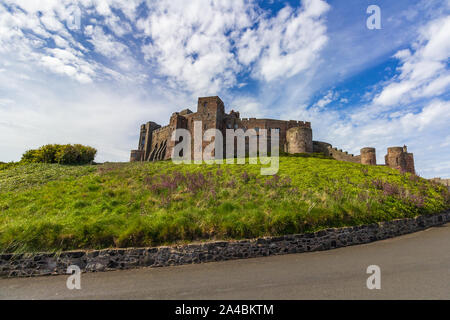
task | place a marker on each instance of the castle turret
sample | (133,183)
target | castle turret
(299,140)
(368,156)
(399,158)
(145,142)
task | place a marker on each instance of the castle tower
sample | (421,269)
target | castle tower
(299,140)
(368,156)
(399,158)
(409,161)
(211,111)
(145,142)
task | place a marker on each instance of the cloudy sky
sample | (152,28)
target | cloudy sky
(95,79)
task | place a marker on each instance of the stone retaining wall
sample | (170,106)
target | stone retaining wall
(14,265)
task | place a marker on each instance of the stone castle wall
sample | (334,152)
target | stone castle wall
(340,155)
(159,143)
(24,265)
(335,153)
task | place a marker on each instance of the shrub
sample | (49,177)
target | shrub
(62,154)
(31,156)
(85,154)
(67,154)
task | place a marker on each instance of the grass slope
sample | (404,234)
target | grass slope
(49,207)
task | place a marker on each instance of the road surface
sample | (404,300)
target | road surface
(414,266)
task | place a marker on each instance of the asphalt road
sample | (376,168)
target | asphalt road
(415,266)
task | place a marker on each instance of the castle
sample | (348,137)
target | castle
(294,136)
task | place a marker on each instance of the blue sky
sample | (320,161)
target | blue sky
(129,62)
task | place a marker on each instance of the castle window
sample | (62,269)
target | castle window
(205,104)
(235,126)
(257,129)
(229,125)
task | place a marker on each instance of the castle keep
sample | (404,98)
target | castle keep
(294,136)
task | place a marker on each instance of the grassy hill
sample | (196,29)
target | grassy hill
(50,207)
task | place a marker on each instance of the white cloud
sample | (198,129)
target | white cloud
(105,44)
(434,115)
(248,107)
(446,142)
(286,44)
(423,73)
(204,45)
(189,41)
(327,99)
(28,29)
(201,46)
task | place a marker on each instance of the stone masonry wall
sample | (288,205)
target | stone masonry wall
(340,155)
(13,265)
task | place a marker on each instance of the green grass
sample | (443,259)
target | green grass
(50,207)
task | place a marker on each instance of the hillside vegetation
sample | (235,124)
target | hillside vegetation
(52,207)
(62,154)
